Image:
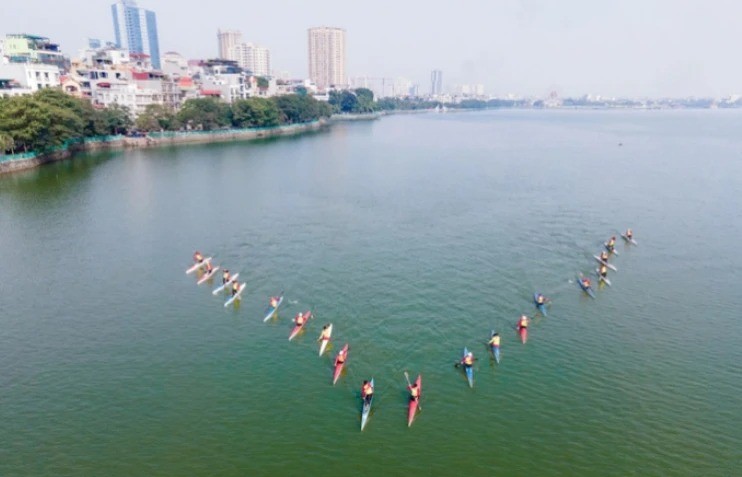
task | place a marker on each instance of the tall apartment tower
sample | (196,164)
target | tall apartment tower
(136,30)
(228,41)
(327,57)
(256,59)
(436,82)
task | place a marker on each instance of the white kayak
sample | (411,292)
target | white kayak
(602,278)
(198,265)
(324,342)
(225,285)
(630,240)
(236,296)
(207,275)
(605,263)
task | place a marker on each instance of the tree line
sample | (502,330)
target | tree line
(49,118)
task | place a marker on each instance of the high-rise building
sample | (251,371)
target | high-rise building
(136,30)
(436,82)
(228,40)
(255,59)
(327,57)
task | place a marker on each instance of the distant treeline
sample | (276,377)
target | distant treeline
(50,118)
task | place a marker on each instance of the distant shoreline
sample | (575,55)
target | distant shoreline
(22,162)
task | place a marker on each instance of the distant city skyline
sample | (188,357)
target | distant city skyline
(529,47)
(135,29)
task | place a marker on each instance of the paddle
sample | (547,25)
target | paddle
(407,377)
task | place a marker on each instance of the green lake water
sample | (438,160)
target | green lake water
(415,235)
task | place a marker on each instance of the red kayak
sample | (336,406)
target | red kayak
(298,328)
(412,410)
(523,331)
(339,366)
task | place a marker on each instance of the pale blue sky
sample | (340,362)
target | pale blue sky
(527,47)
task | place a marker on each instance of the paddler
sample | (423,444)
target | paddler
(235,287)
(629,234)
(540,299)
(414,391)
(225,277)
(611,243)
(208,268)
(468,360)
(586,282)
(603,271)
(367,392)
(523,322)
(325,335)
(274,301)
(300,319)
(494,340)
(604,256)
(197,257)
(340,358)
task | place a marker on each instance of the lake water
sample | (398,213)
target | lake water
(415,235)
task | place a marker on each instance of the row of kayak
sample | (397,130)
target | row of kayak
(229,283)
(602,271)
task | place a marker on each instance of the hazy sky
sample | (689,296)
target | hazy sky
(527,47)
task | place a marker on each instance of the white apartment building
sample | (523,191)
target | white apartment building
(228,40)
(327,57)
(31,76)
(256,59)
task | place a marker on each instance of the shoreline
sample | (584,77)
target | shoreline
(26,161)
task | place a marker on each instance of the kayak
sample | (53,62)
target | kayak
(207,276)
(225,285)
(324,342)
(541,306)
(412,409)
(629,240)
(495,349)
(272,310)
(339,366)
(611,250)
(366,410)
(468,370)
(198,265)
(601,278)
(588,290)
(603,262)
(298,328)
(523,332)
(236,295)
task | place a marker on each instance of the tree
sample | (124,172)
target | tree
(116,119)
(205,113)
(39,122)
(157,117)
(255,112)
(365,100)
(6,143)
(263,82)
(348,102)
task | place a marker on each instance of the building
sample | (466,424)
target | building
(228,40)
(136,29)
(256,59)
(31,76)
(327,57)
(24,48)
(436,82)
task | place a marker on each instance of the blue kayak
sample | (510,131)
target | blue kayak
(468,369)
(588,290)
(272,309)
(541,306)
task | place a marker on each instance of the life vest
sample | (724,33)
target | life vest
(274,302)
(540,300)
(468,360)
(299,319)
(368,389)
(236,286)
(495,341)
(340,358)
(414,391)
